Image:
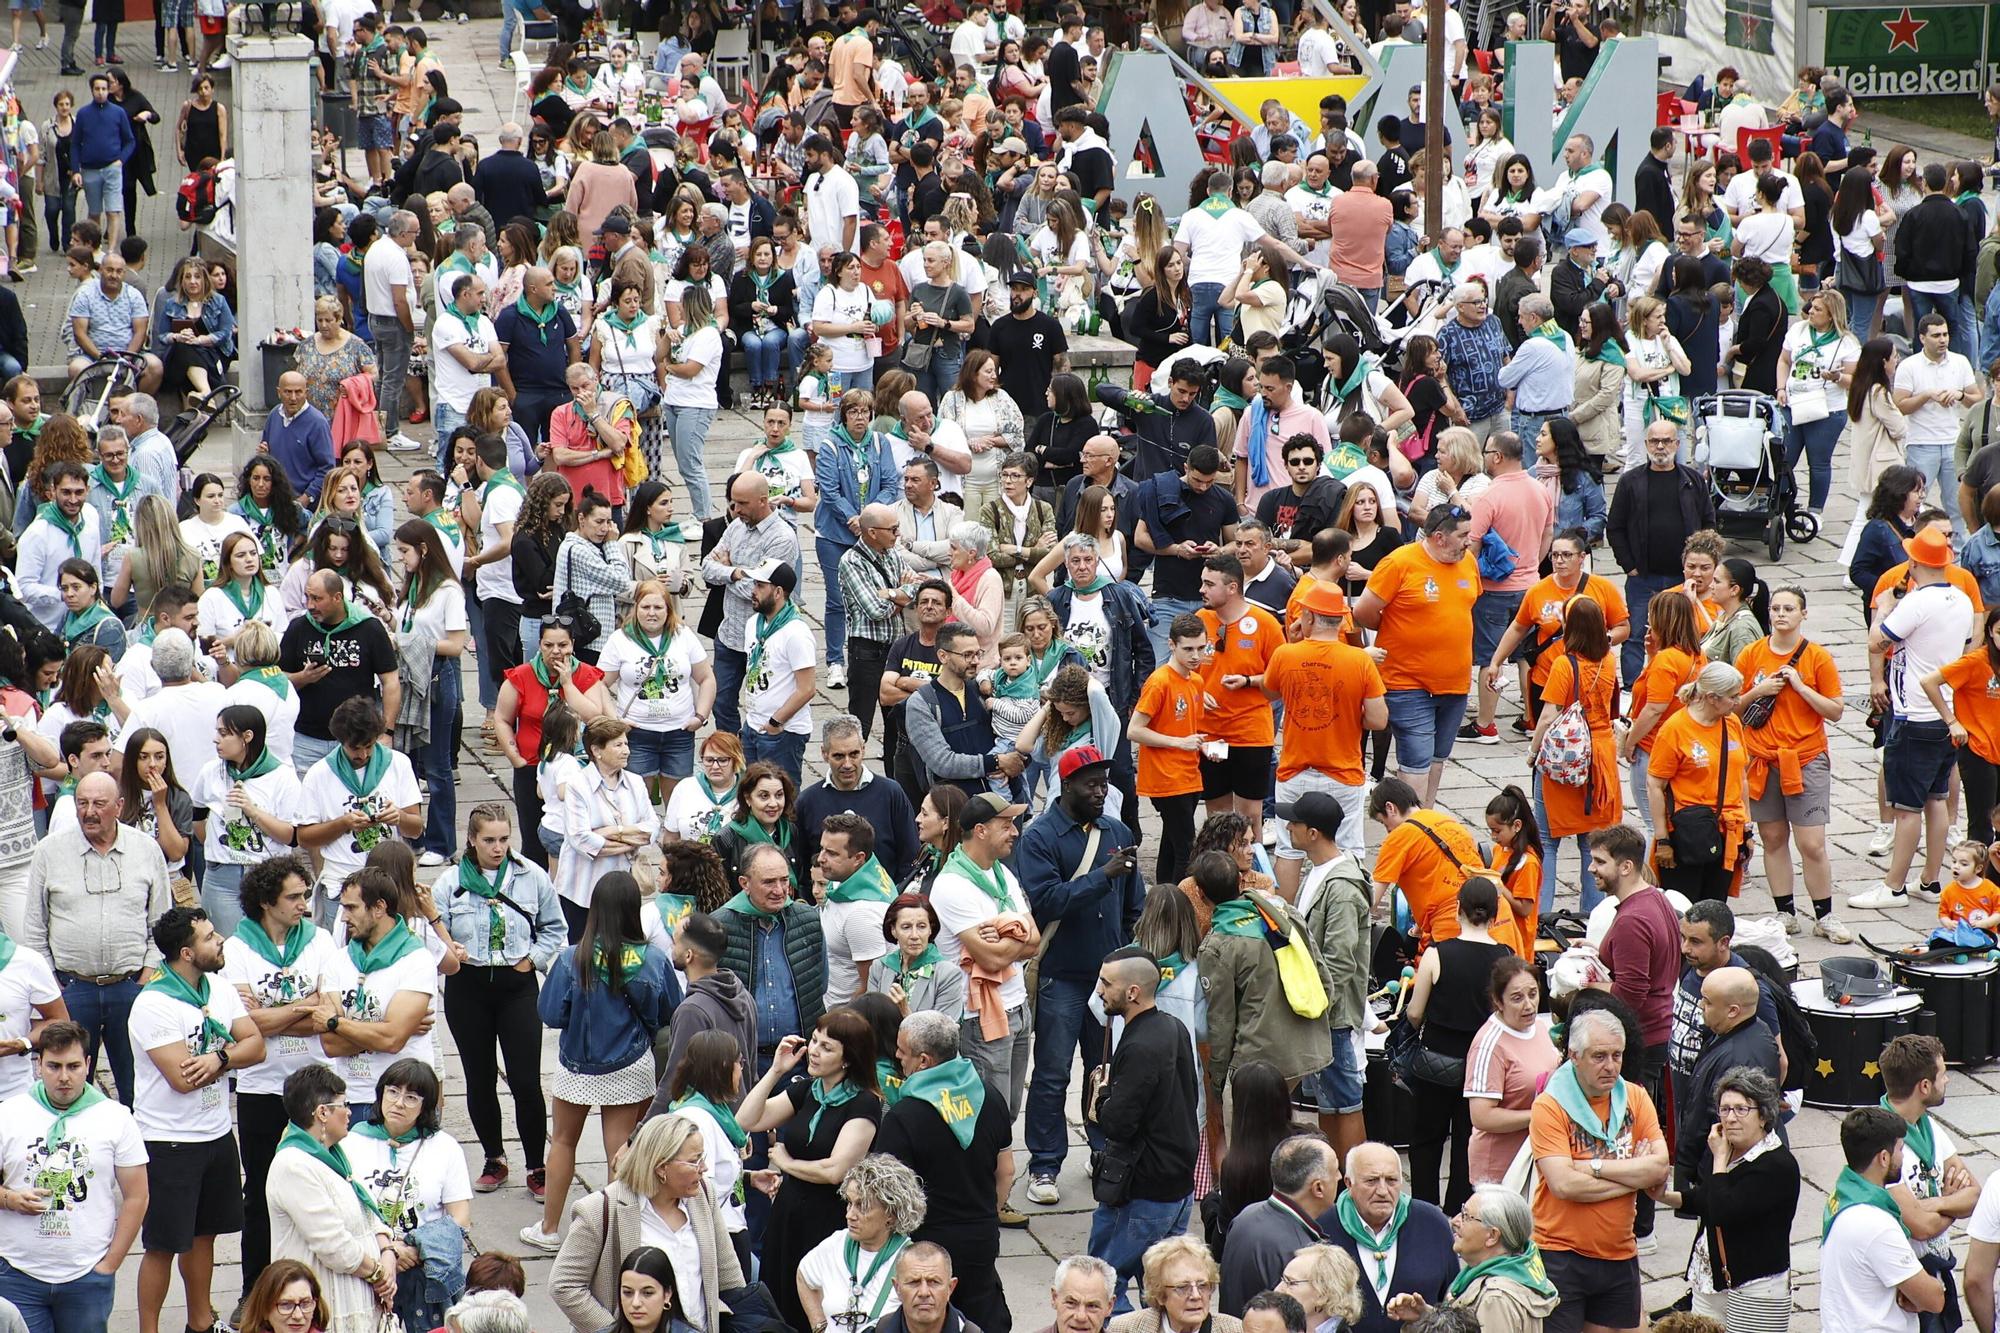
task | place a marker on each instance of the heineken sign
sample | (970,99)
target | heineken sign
(1909,50)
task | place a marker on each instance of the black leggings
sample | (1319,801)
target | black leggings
(1439,1113)
(1176,834)
(866,660)
(1980,782)
(489,1007)
(528,805)
(260,1123)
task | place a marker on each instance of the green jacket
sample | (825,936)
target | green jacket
(999,520)
(1248,1015)
(805,951)
(1337,923)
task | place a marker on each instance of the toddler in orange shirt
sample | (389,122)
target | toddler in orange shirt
(1970,899)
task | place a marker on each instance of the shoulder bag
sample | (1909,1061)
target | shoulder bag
(1696,836)
(1031,975)
(1757,713)
(586,628)
(1861,274)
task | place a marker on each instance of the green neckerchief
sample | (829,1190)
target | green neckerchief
(855,447)
(241,599)
(1235,402)
(1098,584)
(57,1132)
(334,1160)
(741,903)
(1367,1242)
(1851,1189)
(992,883)
(627,327)
(1569,1095)
(889,1077)
(1967,197)
(656,651)
(171,984)
(348,620)
(851,1253)
(119,494)
(542,676)
(1524,1268)
(1217,205)
(709,792)
(765,629)
(1323,191)
(396,944)
(447,524)
(375,1129)
(271,678)
(955,1090)
(1023,686)
(473,880)
(869,884)
(52,513)
(1815,341)
(1553,332)
(843,1093)
(924,966)
(501,478)
(1363,367)
(7,947)
(470,321)
(1918,1137)
(782,447)
(265,762)
(661,538)
(1051,658)
(1170,967)
(365,782)
(631,957)
(724,1117)
(76,624)
(1609,353)
(541,321)
(269,540)
(752,833)
(251,932)
(1238,917)
(571,84)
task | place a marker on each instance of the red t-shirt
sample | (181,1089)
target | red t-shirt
(535,702)
(568,430)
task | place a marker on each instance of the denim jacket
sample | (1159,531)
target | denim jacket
(1266,25)
(841,496)
(1582,508)
(602,1033)
(469,922)
(1981,559)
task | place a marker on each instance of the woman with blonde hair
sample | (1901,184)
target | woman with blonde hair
(992,422)
(1654,364)
(1502,1281)
(264,687)
(158,556)
(331,356)
(598,186)
(1178,1281)
(1457,477)
(1325,1280)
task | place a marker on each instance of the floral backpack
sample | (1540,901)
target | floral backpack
(1564,755)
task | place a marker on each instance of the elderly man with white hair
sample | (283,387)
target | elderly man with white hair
(943,442)
(1542,375)
(507,184)
(1597,1146)
(1080,1295)
(152,453)
(1271,208)
(1474,346)
(1402,1245)
(185,708)
(1502,1281)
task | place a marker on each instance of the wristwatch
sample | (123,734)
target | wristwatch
(333,1024)
(1597,1168)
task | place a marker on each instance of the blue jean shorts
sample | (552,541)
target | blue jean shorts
(375,133)
(1491,614)
(662,753)
(1917,759)
(1337,1089)
(1425,725)
(104,188)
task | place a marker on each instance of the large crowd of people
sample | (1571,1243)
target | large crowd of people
(246,918)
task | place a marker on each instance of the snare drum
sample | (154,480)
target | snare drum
(1851,1038)
(1387,1110)
(1962,995)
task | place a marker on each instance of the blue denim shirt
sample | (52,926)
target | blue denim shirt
(1981,559)
(777,1003)
(1582,507)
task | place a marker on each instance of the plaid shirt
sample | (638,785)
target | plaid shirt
(793,155)
(597,573)
(368,88)
(866,579)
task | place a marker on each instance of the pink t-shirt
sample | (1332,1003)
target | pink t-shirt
(568,430)
(1301,418)
(1507,1067)
(1517,507)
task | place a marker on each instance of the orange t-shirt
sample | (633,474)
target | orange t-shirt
(1429,881)
(1426,625)
(1525,884)
(1661,682)
(1686,760)
(1241,717)
(1172,705)
(1959,902)
(850,68)
(1601,1230)
(1975,701)
(1794,728)
(1958,575)
(1542,610)
(1324,684)
(1293,609)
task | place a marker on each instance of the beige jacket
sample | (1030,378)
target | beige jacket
(1877,441)
(604,1228)
(317,1219)
(1598,410)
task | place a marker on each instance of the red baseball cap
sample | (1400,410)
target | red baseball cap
(1078,758)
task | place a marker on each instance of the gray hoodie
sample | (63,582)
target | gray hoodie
(716,1002)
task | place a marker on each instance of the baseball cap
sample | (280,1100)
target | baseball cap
(1012,144)
(617,223)
(777,573)
(987,806)
(1929,547)
(1317,810)
(1579,236)
(1020,277)
(1078,758)
(1322,599)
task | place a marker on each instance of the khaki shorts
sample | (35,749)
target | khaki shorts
(1808,809)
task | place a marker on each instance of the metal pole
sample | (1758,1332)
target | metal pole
(1435,108)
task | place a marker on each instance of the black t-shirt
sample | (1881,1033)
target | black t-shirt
(1279,509)
(1207,514)
(911,656)
(1394,166)
(357,655)
(1027,349)
(1661,494)
(1574,54)
(1093,171)
(927,197)
(963,1213)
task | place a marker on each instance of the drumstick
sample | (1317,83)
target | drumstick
(1403,998)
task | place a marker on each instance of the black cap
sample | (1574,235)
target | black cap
(776,573)
(618,223)
(1317,810)
(1021,277)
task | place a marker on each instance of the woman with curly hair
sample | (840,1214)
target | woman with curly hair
(850,1272)
(265,501)
(1228,833)
(1078,712)
(338,544)
(62,440)
(1178,1283)
(692,870)
(545,520)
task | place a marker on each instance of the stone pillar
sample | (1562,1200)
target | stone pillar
(271,111)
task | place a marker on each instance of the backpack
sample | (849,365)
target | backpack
(195,201)
(1565,753)
(1795,1036)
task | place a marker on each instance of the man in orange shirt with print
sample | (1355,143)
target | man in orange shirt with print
(1331,692)
(1419,603)
(1166,731)
(1238,716)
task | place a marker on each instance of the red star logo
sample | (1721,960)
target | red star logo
(1903,31)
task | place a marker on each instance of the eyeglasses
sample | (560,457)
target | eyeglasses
(1735,1112)
(721,759)
(1190,1290)
(305,1306)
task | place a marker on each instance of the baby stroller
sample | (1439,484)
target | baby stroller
(1739,439)
(190,426)
(1321,307)
(89,395)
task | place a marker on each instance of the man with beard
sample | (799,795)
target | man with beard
(913,661)
(1934,1188)
(1030,345)
(1078,869)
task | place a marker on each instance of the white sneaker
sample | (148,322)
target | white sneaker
(1648,1245)
(1927,892)
(1269,834)
(836,676)
(1794,924)
(1042,1189)
(533,1235)
(1884,839)
(431,859)
(403,444)
(1833,929)
(220,62)
(1880,898)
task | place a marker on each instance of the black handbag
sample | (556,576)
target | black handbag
(1415,1062)
(1863,275)
(1111,1173)
(1696,836)
(1757,713)
(585,628)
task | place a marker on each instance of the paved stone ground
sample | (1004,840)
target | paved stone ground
(1476,773)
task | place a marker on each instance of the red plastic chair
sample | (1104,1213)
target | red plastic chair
(1667,109)
(1774,136)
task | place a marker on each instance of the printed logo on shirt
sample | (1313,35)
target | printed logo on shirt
(394,1193)
(1431,590)
(1698,755)
(367,838)
(338,654)
(63,1174)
